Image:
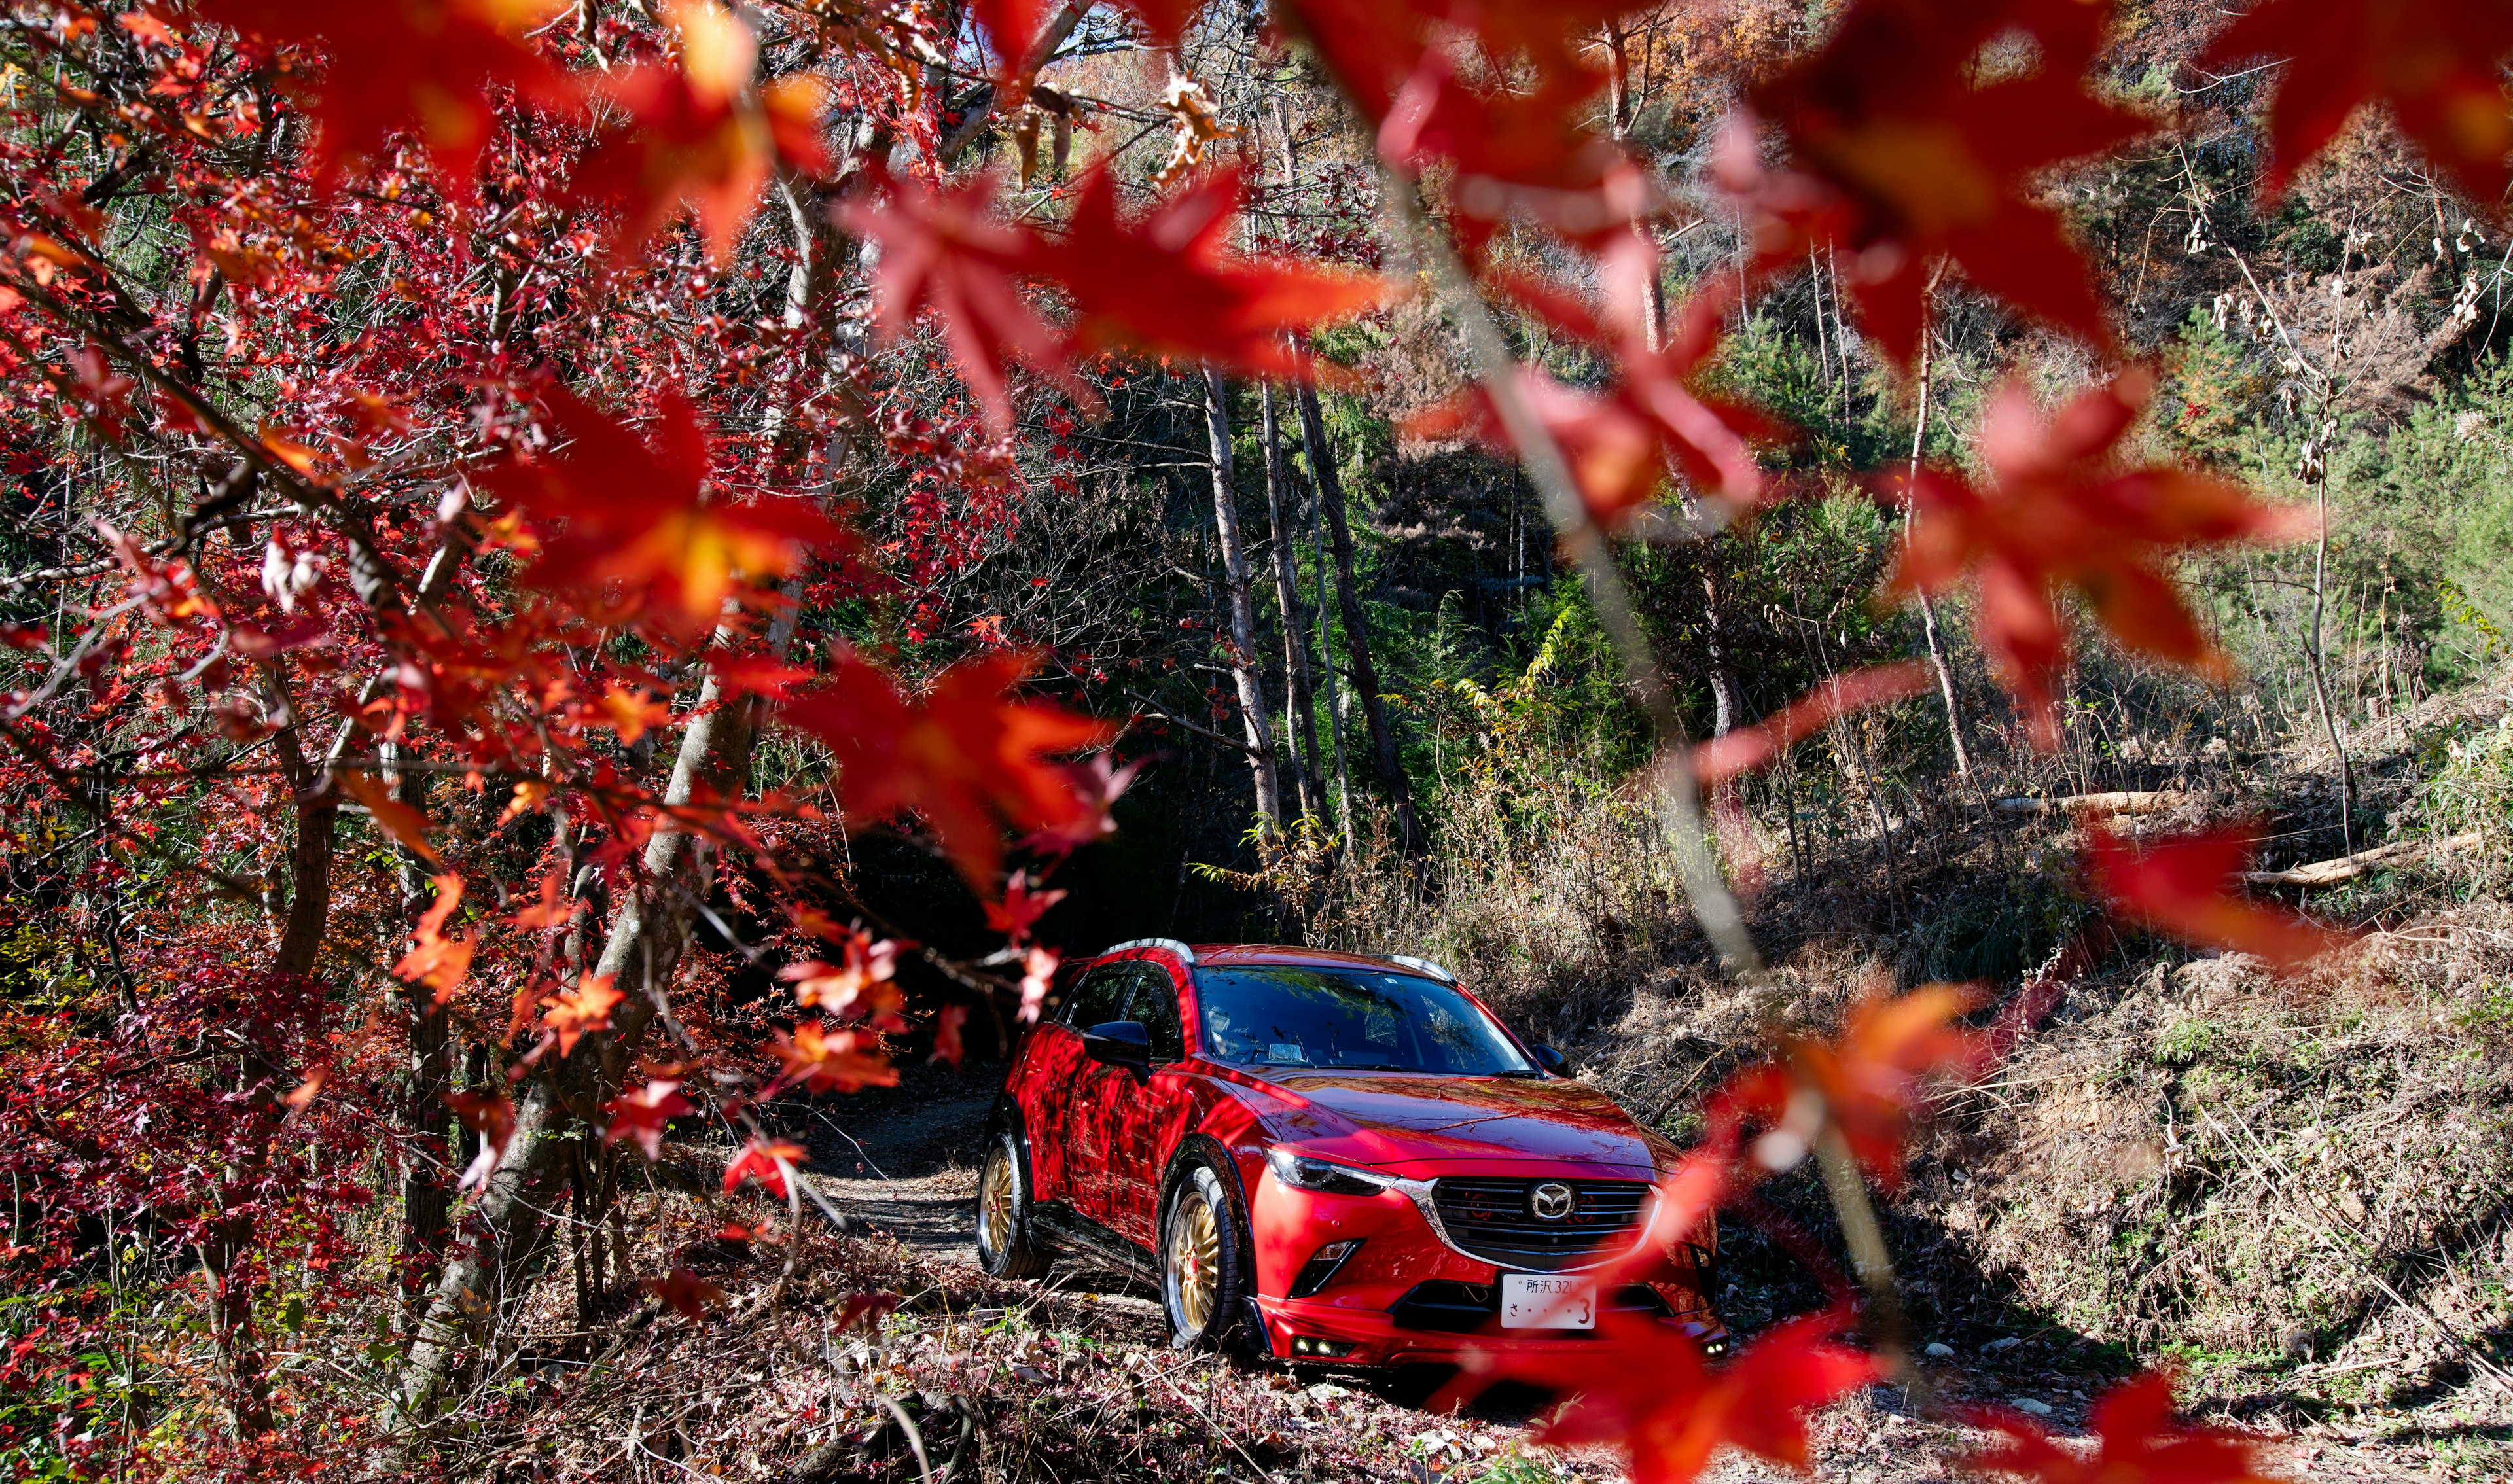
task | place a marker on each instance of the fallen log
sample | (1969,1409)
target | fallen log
(2349,867)
(2083,805)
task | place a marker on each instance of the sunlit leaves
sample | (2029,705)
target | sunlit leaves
(2137,1441)
(1623,443)
(700,135)
(438,960)
(967,758)
(428,65)
(1750,748)
(859,987)
(2059,510)
(1911,148)
(1644,1387)
(944,252)
(2438,66)
(819,1060)
(683,1292)
(1165,283)
(2187,886)
(1865,1083)
(768,1163)
(491,1116)
(581,1010)
(643,1113)
(639,520)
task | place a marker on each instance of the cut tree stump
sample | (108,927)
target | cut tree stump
(2349,867)
(2082,806)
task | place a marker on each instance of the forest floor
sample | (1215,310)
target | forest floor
(2299,1194)
(1072,1377)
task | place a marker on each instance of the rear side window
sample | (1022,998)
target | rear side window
(1154,1001)
(1099,995)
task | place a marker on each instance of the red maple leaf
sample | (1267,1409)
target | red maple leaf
(766,1163)
(552,909)
(435,960)
(2137,1442)
(2183,886)
(644,1114)
(683,1290)
(1624,442)
(1521,134)
(946,253)
(622,511)
(2056,511)
(1038,975)
(1747,749)
(858,985)
(1020,908)
(819,1059)
(947,1028)
(394,817)
(492,1116)
(1015,28)
(1644,1387)
(1866,1082)
(699,134)
(963,756)
(865,1307)
(2438,64)
(423,64)
(1165,21)
(1167,284)
(1911,152)
(577,1011)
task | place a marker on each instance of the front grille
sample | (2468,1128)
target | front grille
(1446,1308)
(1493,1220)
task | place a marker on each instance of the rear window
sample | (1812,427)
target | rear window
(1290,1017)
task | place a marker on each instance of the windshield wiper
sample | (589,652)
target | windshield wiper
(1364,1066)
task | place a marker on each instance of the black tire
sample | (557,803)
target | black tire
(1004,1246)
(1205,1267)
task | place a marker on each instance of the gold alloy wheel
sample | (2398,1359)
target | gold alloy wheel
(995,1201)
(1195,1262)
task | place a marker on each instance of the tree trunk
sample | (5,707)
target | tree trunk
(1723,680)
(2319,682)
(643,948)
(1243,608)
(1300,725)
(1356,623)
(1928,611)
(1330,693)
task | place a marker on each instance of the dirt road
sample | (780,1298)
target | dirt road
(905,1159)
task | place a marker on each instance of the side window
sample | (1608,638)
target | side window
(1155,1003)
(1099,996)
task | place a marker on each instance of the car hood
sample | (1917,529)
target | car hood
(1418,1126)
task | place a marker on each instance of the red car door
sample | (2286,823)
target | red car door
(1053,1075)
(1148,1106)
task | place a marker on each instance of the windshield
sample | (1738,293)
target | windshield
(1350,1020)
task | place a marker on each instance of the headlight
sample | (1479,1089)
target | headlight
(1304,1173)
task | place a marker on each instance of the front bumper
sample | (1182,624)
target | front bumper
(1406,1294)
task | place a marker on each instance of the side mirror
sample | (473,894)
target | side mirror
(1120,1043)
(1553,1062)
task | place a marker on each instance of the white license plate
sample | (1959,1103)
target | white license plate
(1539,1301)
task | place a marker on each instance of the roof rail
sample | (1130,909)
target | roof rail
(1186,954)
(1424,965)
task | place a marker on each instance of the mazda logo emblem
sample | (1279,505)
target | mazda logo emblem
(1551,1201)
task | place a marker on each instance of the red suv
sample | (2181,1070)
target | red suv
(1325,1157)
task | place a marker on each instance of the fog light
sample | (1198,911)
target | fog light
(1323,1349)
(1321,1267)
